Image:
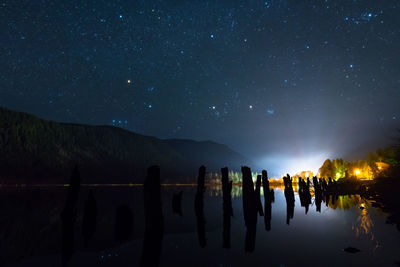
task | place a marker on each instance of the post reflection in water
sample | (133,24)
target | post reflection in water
(199,208)
(304,193)
(154,219)
(268,199)
(68,217)
(250,209)
(307,197)
(357,224)
(318,194)
(289,195)
(227,208)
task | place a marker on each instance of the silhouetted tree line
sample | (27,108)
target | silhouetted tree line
(33,150)
(339,168)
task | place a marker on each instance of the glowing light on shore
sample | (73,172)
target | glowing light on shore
(278,165)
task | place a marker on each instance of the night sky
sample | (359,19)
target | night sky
(286,83)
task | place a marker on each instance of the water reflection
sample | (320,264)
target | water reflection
(250,209)
(89,220)
(269,197)
(343,221)
(289,196)
(199,208)
(226,207)
(177,203)
(123,229)
(154,218)
(68,217)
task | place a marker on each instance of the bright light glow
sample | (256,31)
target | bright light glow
(357,171)
(337,175)
(128,81)
(280,165)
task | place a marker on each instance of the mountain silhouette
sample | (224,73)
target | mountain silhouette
(34,150)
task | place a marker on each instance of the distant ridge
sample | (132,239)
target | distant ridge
(34,150)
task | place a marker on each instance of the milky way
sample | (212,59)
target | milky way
(271,79)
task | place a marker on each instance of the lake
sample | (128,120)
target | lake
(30,230)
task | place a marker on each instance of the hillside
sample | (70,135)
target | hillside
(33,150)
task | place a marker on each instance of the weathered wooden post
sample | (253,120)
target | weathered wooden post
(227,208)
(268,195)
(265,182)
(154,220)
(258,196)
(289,195)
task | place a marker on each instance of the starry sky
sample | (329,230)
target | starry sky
(286,83)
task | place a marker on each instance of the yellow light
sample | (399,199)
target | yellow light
(337,175)
(357,171)
(128,81)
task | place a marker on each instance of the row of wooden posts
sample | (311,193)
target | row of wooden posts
(154,220)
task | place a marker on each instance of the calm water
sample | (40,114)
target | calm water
(30,231)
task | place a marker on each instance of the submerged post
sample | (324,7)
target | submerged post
(258,196)
(268,196)
(227,208)
(154,220)
(249,209)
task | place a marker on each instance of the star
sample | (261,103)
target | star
(269,54)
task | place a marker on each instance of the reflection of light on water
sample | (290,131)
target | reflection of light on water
(345,202)
(216,190)
(364,224)
(365,221)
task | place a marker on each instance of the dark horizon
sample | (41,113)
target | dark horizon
(282,160)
